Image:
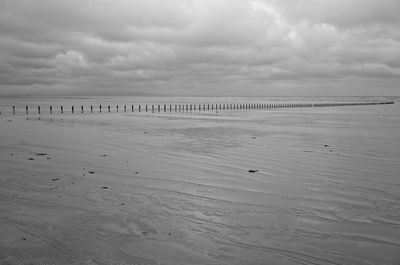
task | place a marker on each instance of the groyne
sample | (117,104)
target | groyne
(176,107)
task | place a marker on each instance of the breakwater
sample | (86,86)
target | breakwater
(174,107)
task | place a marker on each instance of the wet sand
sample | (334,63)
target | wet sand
(294,186)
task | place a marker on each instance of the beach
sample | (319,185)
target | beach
(284,186)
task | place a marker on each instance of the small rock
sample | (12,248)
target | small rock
(326,145)
(54,179)
(41,154)
(103,155)
(253,170)
(91,172)
(30,158)
(104,187)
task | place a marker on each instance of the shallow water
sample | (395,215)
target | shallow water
(179,191)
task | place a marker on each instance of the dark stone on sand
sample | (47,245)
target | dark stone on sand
(54,179)
(103,155)
(326,145)
(145,233)
(24,238)
(253,137)
(136,172)
(11,154)
(122,203)
(41,154)
(253,170)
(30,158)
(104,187)
(144,132)
(91,172)
(48,158)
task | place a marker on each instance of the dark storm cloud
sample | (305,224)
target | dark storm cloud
(198,46)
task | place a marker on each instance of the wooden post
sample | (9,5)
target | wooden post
(62,110)
(146,109)
(100,108)
(26,108)
(158,107)
(72,109)
(51,110)
(117,108)
(38,109)
(13,110)
(170,108)
(152,108)
(82,109)
(109,108)
(132,107)
(124,108)
(165,108)
(91,109)
(140,109)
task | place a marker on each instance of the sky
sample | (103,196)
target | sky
(200,47)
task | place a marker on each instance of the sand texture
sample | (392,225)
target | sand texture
(290,186)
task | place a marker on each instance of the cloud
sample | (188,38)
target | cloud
(198,46)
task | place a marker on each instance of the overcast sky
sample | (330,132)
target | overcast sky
(200,47)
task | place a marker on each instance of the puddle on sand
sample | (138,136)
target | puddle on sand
(164,253)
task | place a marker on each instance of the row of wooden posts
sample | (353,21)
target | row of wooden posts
(203,107)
